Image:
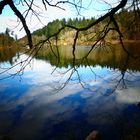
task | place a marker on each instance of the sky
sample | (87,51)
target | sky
(92,8)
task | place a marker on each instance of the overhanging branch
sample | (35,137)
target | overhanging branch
(20,16)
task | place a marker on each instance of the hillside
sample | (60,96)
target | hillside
(5,40)
(129,31)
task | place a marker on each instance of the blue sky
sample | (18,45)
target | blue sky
(93,8)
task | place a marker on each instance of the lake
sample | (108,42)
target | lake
(56,96)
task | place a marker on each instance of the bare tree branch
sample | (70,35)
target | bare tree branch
(19,15)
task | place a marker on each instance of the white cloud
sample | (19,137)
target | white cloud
(4,22)
(12,24)
(8,19)
(129,95)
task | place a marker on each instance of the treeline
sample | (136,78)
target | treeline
(55,25)
(129,23)
(6,39)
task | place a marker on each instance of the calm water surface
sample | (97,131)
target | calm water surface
(67,103)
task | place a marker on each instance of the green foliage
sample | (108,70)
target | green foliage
(51,28)
(5,40)
(55,25)
(128,22)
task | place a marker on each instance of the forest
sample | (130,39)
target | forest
(124,18)
(6,39)
(131,32)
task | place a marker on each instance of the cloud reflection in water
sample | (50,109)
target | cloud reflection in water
(37,111)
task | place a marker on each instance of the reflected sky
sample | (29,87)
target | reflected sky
(33,108)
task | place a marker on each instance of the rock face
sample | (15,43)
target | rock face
(94,135)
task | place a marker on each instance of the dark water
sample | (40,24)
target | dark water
(56,99)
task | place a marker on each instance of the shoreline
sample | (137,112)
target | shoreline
(112,42)
(125,41)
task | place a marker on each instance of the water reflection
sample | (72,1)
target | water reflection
(7,54)
(112,57)
(31,109)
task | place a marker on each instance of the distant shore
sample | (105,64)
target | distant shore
(124,41)
(79,43)
(108,42)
